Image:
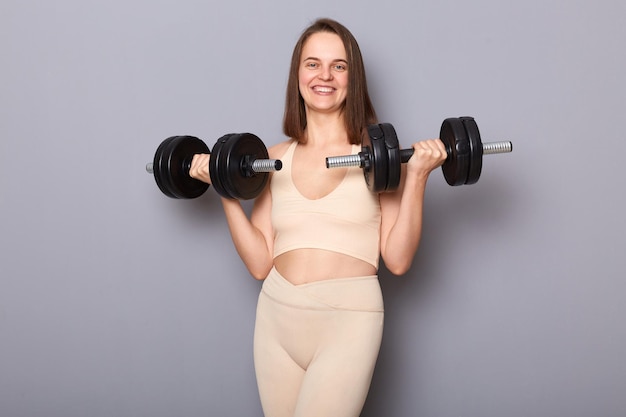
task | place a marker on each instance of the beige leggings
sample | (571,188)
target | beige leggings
(316,345)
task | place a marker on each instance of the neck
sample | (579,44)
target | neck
(325,129)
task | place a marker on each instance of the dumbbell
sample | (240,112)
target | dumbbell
(238,167)
(381,156)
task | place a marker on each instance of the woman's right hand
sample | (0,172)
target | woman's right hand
(200,167)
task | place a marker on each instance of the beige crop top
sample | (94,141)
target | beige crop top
(346,221)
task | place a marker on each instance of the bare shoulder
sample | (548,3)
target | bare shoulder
(278,150)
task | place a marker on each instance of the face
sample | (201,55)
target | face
(323,73)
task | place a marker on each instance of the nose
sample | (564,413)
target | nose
(325,74)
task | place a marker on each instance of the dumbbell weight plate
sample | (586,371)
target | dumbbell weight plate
(376,174)
(476,150)
(455,138)
(217,177)
(228,176)
(392,146)
(171,164)
(160,166)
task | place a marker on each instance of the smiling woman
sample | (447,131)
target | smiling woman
(315,236)
(358,109)
(323,74)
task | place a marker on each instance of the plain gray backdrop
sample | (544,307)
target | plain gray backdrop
(118,301)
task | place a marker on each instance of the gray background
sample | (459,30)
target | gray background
(117,301)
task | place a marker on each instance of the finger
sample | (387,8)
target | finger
(199,166)
(429,154)
(437,148)
(432,147)
(441,146)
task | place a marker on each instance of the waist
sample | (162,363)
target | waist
(358,293)
(302,266)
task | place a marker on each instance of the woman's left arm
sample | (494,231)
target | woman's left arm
(401,210)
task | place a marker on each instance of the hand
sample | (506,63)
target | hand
(200,167)
(427,156)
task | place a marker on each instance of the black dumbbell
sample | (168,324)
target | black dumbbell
(239,166)
(381,156)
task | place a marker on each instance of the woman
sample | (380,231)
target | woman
(315,236)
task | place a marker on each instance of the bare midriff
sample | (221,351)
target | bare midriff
(302,266)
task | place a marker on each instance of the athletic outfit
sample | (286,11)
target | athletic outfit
(346,221)
(316,344)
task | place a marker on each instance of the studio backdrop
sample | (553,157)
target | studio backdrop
(116,300)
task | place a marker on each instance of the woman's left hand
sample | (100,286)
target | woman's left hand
(427,156)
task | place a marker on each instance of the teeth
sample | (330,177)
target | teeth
(324,89)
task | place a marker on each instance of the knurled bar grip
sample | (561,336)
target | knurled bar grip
(266,165)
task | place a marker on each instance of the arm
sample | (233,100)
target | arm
(401,210)
(254,237)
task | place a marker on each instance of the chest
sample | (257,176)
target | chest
(310,175)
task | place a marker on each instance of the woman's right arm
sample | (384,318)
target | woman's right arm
(254,237)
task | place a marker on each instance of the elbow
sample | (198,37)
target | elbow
(258,276)
(398,262)
(260,272)
(399,268)
(398,265)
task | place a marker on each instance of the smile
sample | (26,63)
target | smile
(323,89)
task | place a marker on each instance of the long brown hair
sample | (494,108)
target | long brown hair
(358,110)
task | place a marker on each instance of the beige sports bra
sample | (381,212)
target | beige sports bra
(347,220)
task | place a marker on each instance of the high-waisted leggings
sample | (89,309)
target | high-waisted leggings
(316,345)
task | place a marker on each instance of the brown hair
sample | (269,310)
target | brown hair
(358,110)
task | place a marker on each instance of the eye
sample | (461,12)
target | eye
(311,65)
(340,67)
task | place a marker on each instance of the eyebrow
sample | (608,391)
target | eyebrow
(318,59)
